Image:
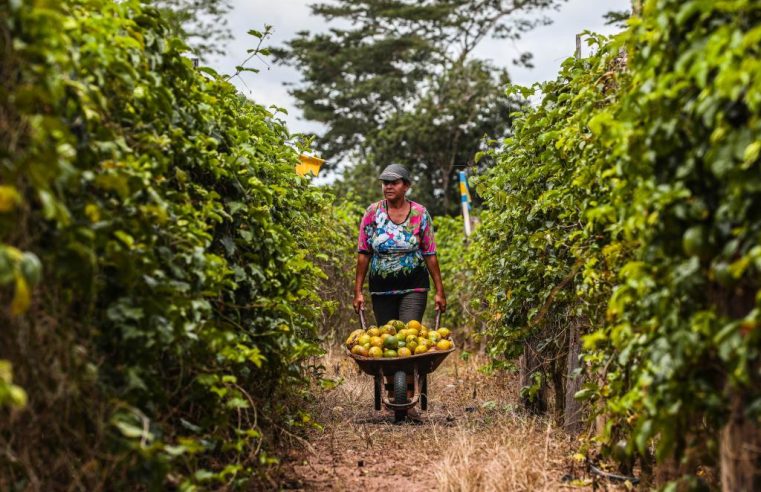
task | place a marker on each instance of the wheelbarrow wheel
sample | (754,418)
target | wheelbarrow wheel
(400,394)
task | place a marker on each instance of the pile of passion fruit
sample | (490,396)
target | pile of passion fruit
(396,339)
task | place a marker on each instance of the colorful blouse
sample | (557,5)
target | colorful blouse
(397,265)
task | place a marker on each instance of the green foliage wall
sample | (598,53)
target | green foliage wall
(335,252)
(154,244)
(541,262)
(629,199)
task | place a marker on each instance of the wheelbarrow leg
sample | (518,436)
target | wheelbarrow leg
(424,391)
(378,385)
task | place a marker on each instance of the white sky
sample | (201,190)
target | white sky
(549,44)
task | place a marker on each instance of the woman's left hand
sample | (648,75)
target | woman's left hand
(441,302)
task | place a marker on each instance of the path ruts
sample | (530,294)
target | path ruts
(474,437)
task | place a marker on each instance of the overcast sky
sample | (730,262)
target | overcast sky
(549,44)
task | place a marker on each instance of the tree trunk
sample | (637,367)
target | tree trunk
(740,450)
(558,385)
(740,438)
(445,197)
(572,421)
(530,363)
(667,471)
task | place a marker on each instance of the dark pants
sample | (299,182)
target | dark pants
(404,307)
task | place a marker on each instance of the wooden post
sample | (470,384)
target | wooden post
(740,449)
(465,202)
(530,363)
(636,7)
(572,407)
(572,422)
(740,438)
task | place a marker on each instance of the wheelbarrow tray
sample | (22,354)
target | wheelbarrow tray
(425,363)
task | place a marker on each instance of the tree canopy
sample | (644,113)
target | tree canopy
(201,23)
(398,82)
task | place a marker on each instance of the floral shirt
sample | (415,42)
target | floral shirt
(397,265)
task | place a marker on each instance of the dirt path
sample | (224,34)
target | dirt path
(474,437)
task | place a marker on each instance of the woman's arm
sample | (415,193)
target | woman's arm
(433,268)
(363,261)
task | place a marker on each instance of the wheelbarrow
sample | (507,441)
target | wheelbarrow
(417,366)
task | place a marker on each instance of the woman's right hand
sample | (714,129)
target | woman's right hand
(359,302)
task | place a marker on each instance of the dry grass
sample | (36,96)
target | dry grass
(473,438)
(509,455)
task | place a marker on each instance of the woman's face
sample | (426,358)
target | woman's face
(393,190)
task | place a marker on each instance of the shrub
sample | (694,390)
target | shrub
(154,244)
(630,197)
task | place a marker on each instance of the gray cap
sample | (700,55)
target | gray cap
(394,172)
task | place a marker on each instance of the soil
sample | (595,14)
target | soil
(474,436)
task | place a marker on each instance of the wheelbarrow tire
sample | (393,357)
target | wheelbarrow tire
(400,387)
(400,394)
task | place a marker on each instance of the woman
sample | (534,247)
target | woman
(396,244)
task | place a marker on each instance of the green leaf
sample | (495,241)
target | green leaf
(9,198)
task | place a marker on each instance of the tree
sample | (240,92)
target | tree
(401,83)
(201,23)
(617,17)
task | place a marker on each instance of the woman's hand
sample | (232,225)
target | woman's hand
(359,302)
(441,302)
